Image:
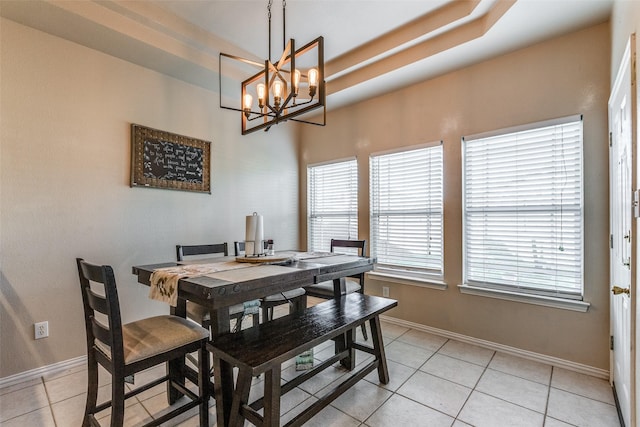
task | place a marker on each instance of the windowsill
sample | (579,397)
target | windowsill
(561,303)
(407,279)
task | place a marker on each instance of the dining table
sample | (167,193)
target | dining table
(253,279)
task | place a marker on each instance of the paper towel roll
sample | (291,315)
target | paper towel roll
(259,239)
(250,232)
(254,235)
(248,247)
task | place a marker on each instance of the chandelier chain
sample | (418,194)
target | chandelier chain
(284,24)
(269,20)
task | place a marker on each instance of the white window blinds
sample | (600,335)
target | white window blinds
(332,203)
(406,209)
(523,209)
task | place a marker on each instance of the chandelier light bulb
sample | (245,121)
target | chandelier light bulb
(247,102)
(277,88)
(277,92)
(261,90)
(313,81)
(296,82)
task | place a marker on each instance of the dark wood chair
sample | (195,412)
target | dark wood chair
(295,298)
(352,283)
(197,312)
(126,349)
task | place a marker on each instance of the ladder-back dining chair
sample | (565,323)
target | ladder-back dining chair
(296,298)
(352,283)
(198,312)
(124,350)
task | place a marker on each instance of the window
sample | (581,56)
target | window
(332,203)
(406,210)
(523,209)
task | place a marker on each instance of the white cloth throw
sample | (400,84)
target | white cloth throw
(164,281)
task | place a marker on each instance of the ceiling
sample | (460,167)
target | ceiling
(371,46)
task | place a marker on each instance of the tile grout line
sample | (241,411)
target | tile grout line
(50,405)
(41,379)
(546,409)
(417,370)
(546,406)
(485,368)
(315,395)
(379,406)
(394,392)
(474,387)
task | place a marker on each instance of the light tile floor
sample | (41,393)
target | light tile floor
(434,382)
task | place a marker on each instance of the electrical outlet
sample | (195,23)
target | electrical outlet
(41,330)
(385,291)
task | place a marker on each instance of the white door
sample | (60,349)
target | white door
(622,181)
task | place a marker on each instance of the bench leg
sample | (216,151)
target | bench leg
(223,390)
(272,397)
(240,397)
(378,349)
(345,342)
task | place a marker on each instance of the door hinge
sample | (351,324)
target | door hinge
(611,240)
(611,346)
(610,139)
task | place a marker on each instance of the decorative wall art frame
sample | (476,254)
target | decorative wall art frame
(166,160)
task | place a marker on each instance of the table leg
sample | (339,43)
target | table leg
(339,287)
(223,384)
(220,322)
(344,341)
(300,304)
(175,368)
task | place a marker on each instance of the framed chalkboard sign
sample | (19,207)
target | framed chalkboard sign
(161,159)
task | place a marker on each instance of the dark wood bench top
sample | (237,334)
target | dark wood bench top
(274,342)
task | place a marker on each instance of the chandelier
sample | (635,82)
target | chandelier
(284,90)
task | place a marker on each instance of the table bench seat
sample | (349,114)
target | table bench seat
(263,349)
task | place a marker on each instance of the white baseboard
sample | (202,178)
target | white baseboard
(525,354)
(43,371)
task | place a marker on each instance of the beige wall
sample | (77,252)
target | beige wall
(564,76)
(64,192)
(625,19)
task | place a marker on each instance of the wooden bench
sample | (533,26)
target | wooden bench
(264,348)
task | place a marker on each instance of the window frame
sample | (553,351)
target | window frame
(523,293)
(419,276)
(352,213)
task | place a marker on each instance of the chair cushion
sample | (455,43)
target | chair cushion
(287,295)
(325,289)
(154,335)
(200,313)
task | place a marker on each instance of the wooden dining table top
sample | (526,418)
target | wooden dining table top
(224,288)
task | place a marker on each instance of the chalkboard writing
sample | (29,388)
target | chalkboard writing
(161,159)
(167,160)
